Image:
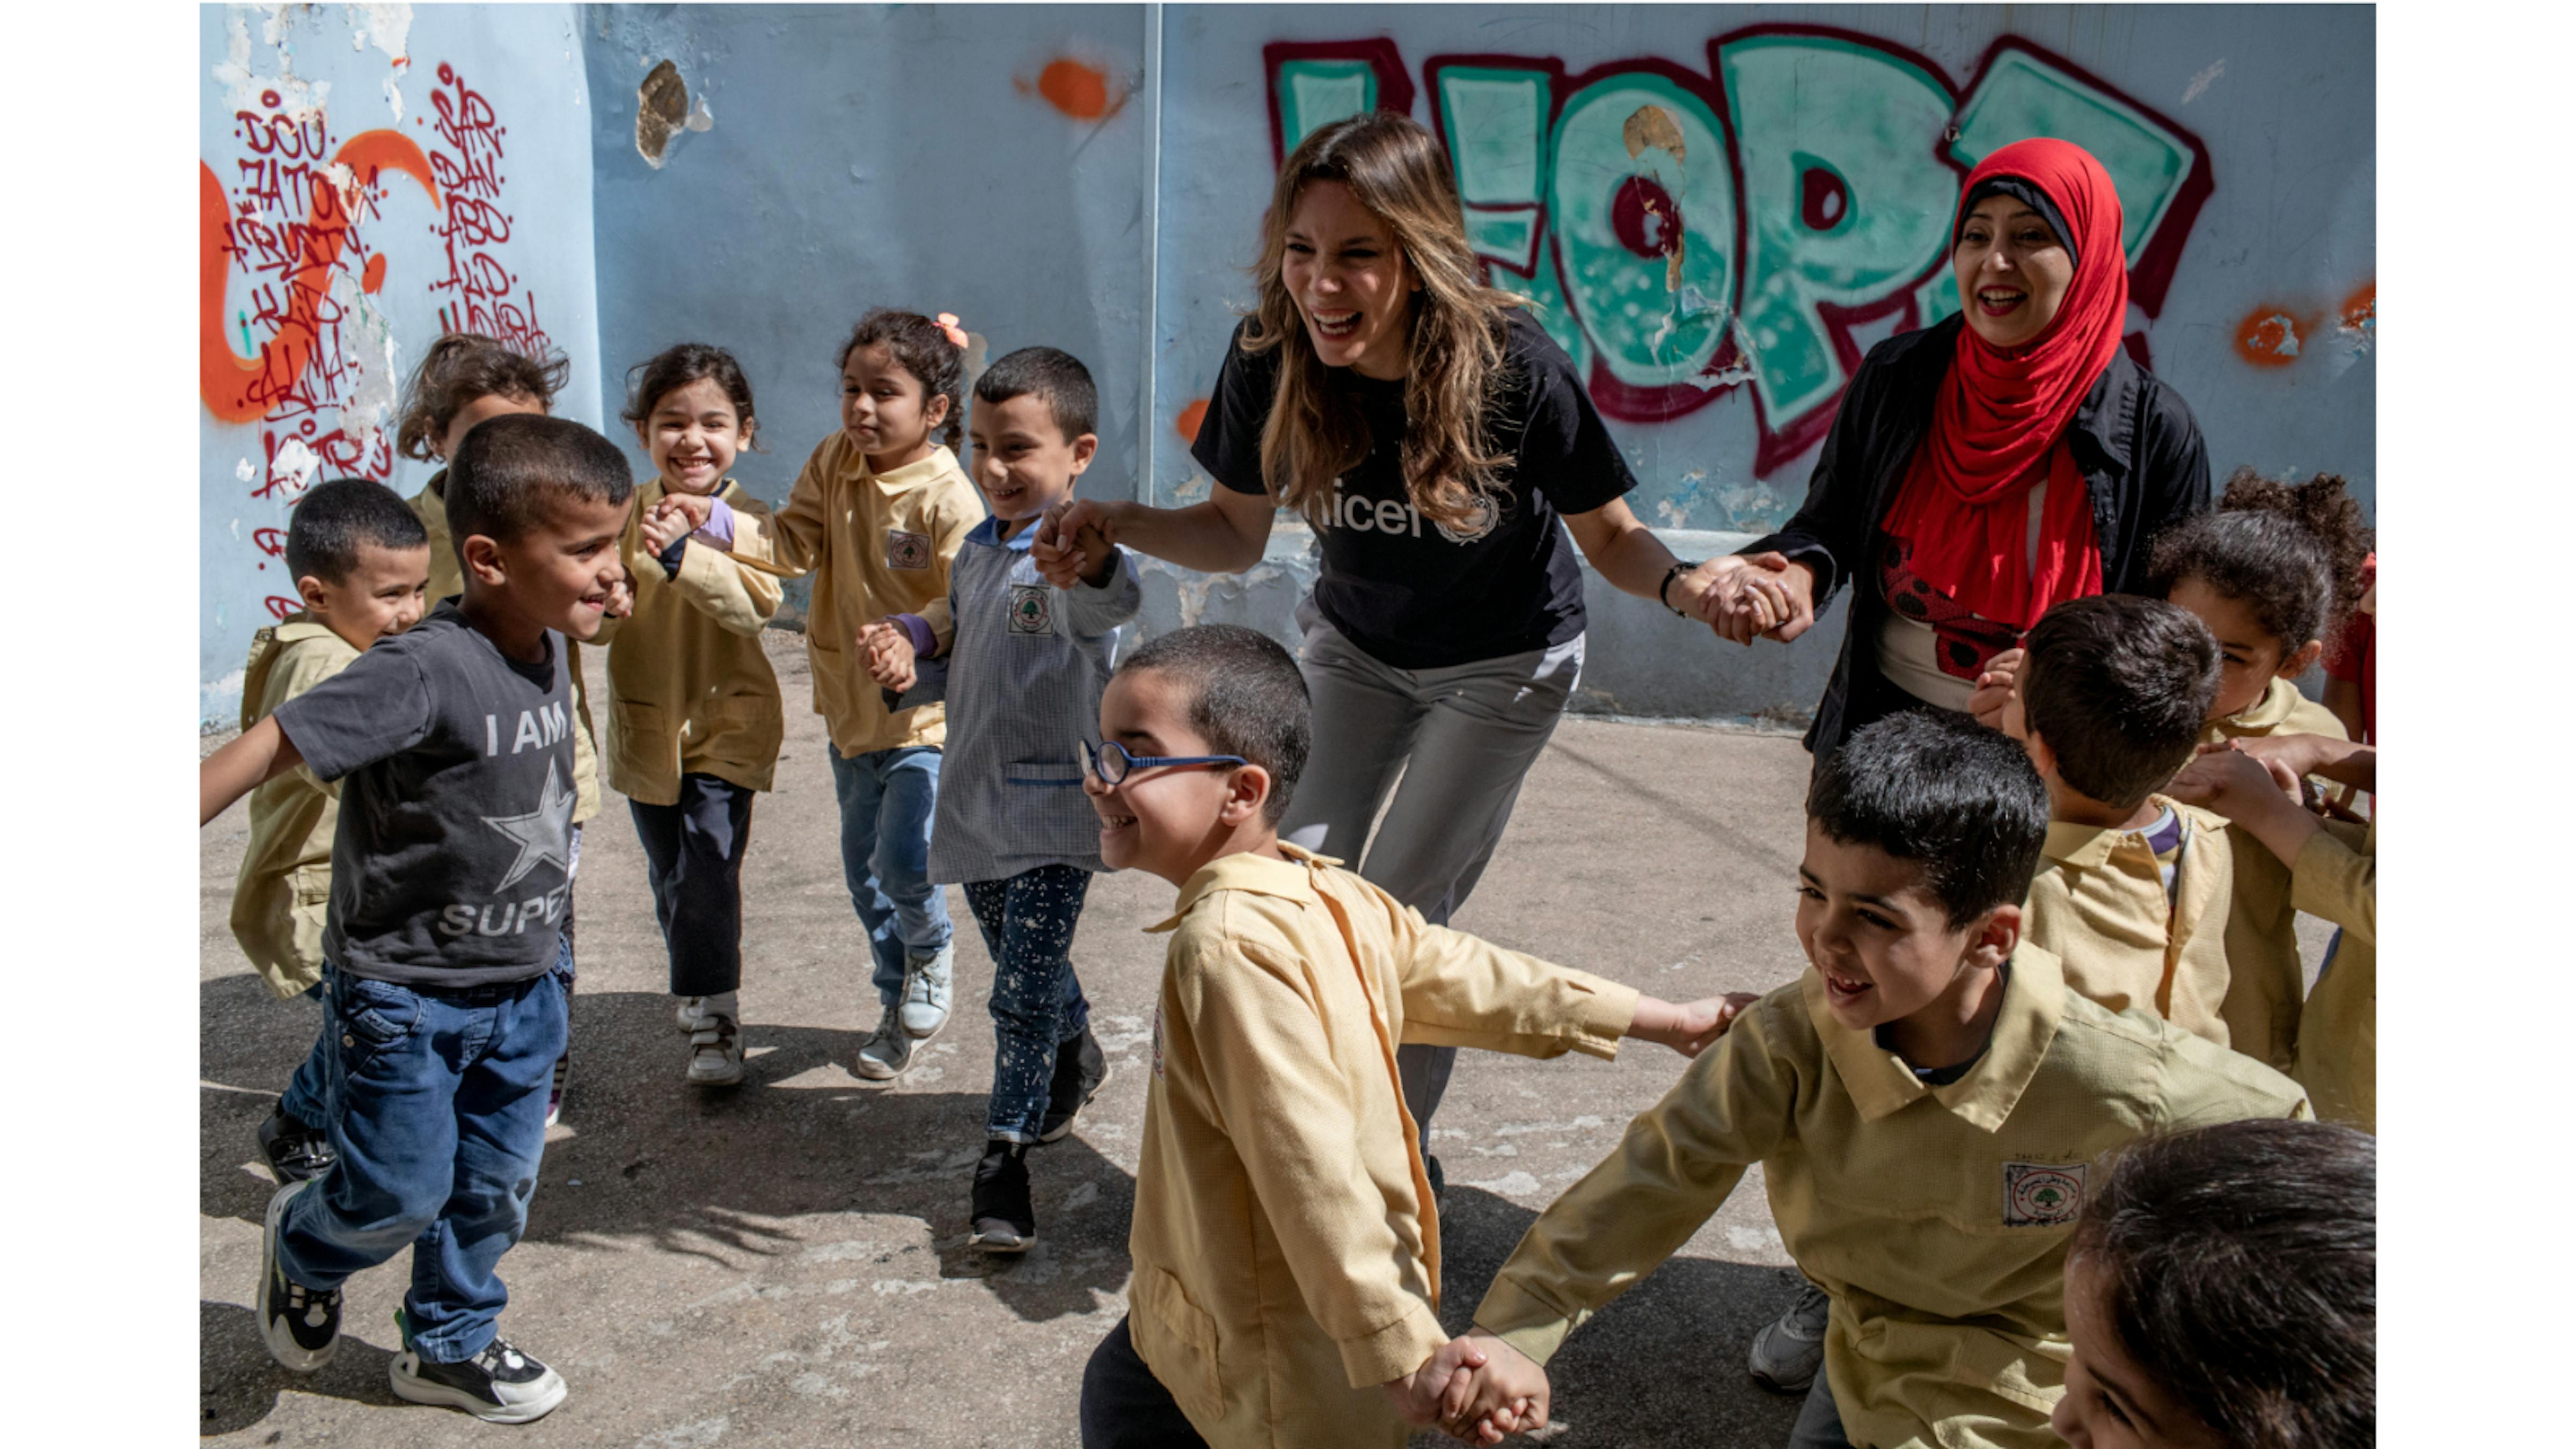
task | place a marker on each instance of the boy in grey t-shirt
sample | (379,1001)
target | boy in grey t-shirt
(443,967)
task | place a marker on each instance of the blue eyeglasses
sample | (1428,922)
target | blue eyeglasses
(1111,762)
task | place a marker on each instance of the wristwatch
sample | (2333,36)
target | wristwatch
(1664,590)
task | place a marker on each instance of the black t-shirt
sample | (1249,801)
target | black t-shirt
(1412,593)
(452,863)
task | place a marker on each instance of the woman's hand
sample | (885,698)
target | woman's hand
(1995,688)
(1071,535)
(1744,596)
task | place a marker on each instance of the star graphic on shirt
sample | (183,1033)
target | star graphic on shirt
(544,834)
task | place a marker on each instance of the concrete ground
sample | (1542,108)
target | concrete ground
(786,1263)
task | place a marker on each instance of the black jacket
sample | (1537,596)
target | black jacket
(2133,440)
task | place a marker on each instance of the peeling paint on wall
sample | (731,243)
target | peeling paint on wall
(662,111)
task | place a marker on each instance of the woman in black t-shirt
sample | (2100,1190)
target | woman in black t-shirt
(1433,435)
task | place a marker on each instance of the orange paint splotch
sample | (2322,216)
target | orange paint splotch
(2361,309)
(2271,337)
(373,278)
(1188,422)
(1078,90)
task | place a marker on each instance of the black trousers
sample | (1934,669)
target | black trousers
(1125,1407)
(693,858)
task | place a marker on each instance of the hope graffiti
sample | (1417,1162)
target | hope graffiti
(1686,233)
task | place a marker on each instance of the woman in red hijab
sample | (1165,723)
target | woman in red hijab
(1985,468)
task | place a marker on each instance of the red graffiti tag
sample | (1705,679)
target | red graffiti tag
(467,163)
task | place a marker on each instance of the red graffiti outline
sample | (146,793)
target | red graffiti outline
(238,389)
(1394,85)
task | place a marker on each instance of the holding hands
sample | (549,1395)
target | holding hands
(889,654)
(1477,1389)
(1744,596)
(1688,1027)
(1074,544)
(667,523)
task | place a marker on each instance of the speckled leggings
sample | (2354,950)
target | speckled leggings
(1037,1004)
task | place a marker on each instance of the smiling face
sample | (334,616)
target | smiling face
(884,408)
(383,593)
(1171,819)
(2110,1403)
(558,573)
(1350,282)
(1020,460)
(1881,941)
(2013,271)
(483,409)
(2248,658)
(693,434)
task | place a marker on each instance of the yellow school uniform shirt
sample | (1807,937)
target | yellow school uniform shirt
(447,579)
(1936,1217)
(877,544)
(1286,1248)
(2337,877)
(689,689)
(284,889)
(2281,710)
(2099,905)
(2262,1008)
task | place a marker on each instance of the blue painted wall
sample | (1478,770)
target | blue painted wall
(488,103)
(995,162)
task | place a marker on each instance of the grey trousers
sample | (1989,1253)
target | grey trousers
(1463,736)
(1820,1424)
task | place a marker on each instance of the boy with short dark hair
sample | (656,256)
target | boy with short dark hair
(2223,1289)
(1283,1220)
(360,561)
(1925,1103)
(444,957)
(2136,892)
(1021,678)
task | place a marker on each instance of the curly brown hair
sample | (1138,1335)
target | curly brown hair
(460,367)
(1314,433)
(2294,553)
(921,348)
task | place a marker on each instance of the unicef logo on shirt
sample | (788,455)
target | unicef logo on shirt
(1361,514)
(1480,521)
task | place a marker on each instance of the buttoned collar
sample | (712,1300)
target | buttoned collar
(1881,1083)
(1290,879)
(909,476)
(300,626)
(2086,847)
(989,534)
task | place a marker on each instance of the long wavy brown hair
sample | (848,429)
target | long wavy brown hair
(1314,433)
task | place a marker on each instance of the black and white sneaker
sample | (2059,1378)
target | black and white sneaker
(1002,1219)
(293,1151)
(300,1327)
(555,1092)
(500,1385)
(1080,1070)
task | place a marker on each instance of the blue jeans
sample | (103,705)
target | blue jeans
(308,1092)
(437,1119)
(887,798)
(1037,1004)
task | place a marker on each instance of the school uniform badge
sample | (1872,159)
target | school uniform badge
(907,550)
(1032,608)
(2042,1194)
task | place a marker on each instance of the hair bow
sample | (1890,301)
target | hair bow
(948,324)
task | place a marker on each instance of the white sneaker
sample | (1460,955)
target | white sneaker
(1787,1353)
(925,993)
(692,1012)
(715,1053)
(888,1051)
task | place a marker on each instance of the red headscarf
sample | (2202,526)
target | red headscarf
(2001,416)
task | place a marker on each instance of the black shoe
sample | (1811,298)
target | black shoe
(300,1327)
(294,1152)
(501,1384)
(1080,1070)
(1002,1218)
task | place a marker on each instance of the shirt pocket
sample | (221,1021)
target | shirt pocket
(641,748)
(743,730)
(1177,1340)
(1047,808)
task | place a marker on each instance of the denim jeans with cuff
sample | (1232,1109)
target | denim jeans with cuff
(438,1120)
(887,800)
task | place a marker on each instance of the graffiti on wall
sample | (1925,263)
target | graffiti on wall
(291,340)
(1686,233)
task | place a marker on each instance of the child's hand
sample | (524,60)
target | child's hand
(1097,556)
(1509,1395)
(1058,550)
(666,525)
(696,507)
(889,654)
(621,596)
(2231,781)
(1419,1395)
(1994,688)
(1688,1028)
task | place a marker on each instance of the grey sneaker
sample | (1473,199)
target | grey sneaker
(300,1327)
(502,1384)
(692,1013)
(1786,1354)
(715,1053)
(925,993)
(887,1052)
